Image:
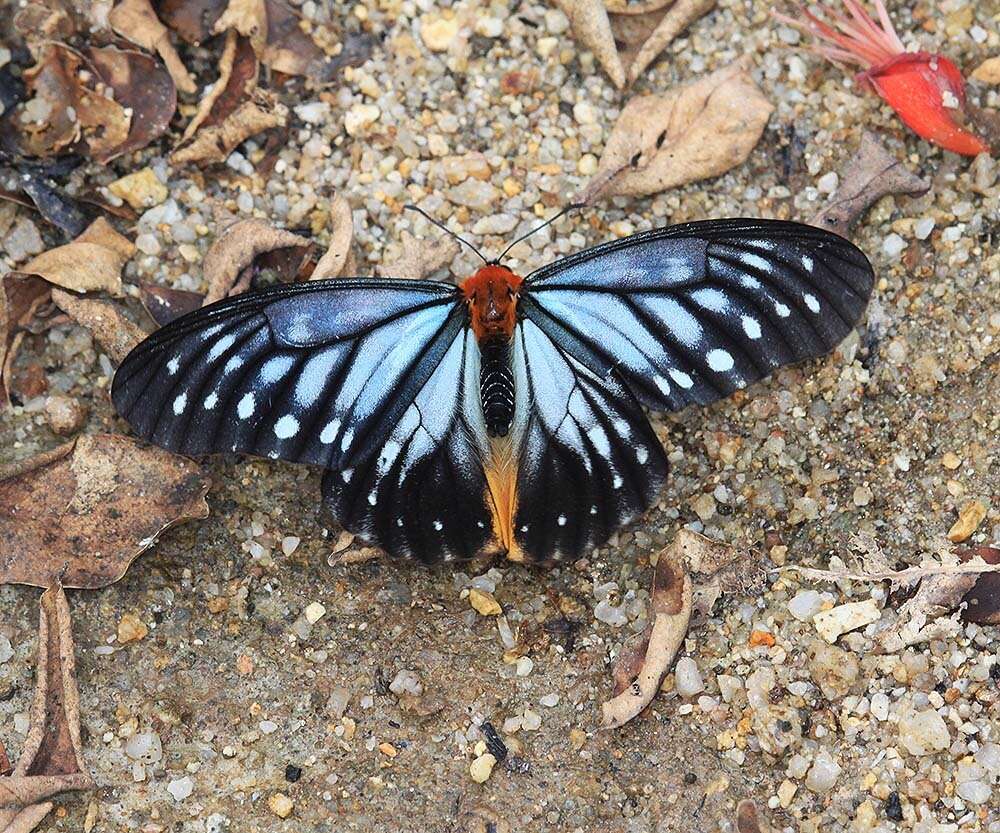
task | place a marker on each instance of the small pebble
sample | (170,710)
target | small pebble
(482,767)
(828,183)
(131,629)
(484,603)
(314,612)
(969,517)
(848,617)
(823,774)
(687,678)
(893,245)
(549,700)
(923,227)
(181,788)
(281,805)
(805,604)
(6,651)
(531,721)
(524,666)
(923,732)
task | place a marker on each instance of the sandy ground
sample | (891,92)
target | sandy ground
(887,438)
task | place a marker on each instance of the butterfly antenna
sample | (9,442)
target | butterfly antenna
(550,221)
(446,230)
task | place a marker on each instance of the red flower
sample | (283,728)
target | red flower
(927,91)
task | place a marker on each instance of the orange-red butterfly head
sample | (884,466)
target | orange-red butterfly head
(491,294)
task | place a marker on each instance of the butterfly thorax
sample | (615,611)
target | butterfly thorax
(491,295)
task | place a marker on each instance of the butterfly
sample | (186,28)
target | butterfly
(506,413)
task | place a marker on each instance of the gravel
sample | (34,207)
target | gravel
(800,471)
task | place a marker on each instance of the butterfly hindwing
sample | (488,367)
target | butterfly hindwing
(422,493)
(691,313)
(588,460)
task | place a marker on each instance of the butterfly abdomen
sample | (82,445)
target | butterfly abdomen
(496,385)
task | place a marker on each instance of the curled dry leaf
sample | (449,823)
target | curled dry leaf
(21,296)
(142,84)
(592,28)
(136,20)
(81,518)
(260,112)
(694,132)
(52,759)
(246,248)
(671,608)
(165,304)
(420,258)
(871,174)
(644,29)
(105,320)
(647,29)
(237,79)
(273,28)
(65,89)
(93,262)
(338,259)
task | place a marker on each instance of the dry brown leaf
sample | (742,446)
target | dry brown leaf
(52,759)
(65,85)
(136,20)
(214,144)
(648,29)
(237,80)
(165,304)
(871,174)
(592,28)
(719,569)
(748,820)
(645,30)
(420,258)
(239,253)
(20,298)
(81,519)
(670,604)
(694,132)
(16,820)
(191,19)
(93,262)
(338,259)
(273,28)
(45,20)
(141,83)
(983,600)
(105,320)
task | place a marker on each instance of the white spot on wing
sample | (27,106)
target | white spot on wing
(600,440)
(221,346)
(179,404)
(754,261)
(561,520)
(348,437)
(438,525)
(329,433)
(211,400)
(246,406)
(719,360)
(373,497)
(662,384)
(811,301)
(173,364)
(807,263)
(617,482)
(711,299)
(781,309)
(621,426)
(287,426)
(346,474)
(641,454)
(751,327)
(681,378)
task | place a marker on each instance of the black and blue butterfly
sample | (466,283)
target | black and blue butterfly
(504,414)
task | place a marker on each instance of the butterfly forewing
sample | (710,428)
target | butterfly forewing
(309,373)
(589,461)
(691,313)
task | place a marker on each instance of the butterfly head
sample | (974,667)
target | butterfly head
(491,295)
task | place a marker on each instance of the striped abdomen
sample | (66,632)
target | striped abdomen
(496,385)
